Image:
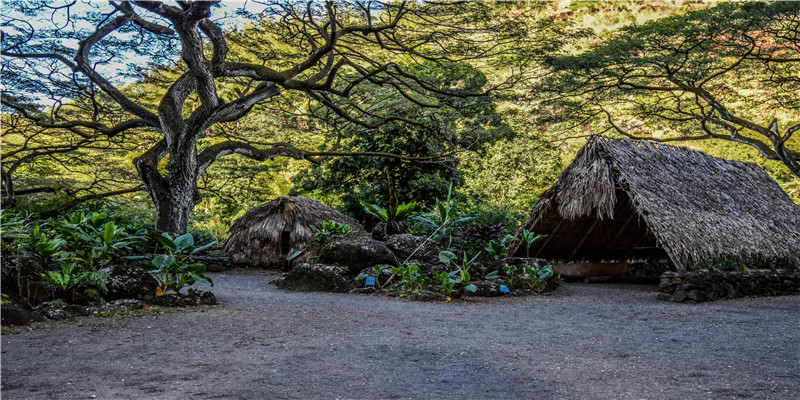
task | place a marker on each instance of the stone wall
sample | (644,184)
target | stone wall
(712,285)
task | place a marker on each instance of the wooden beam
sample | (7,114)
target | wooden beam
(588,232)
(550,236)
(624,225)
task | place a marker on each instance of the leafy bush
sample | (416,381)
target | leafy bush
(76,283)
(396,213)
(531,278)
(172,270)
(326,230)
(411,280)
(443,221)
(457,280)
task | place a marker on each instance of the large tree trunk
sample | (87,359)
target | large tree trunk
(172,213)
(175,195)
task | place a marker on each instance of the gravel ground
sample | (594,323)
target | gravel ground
(600,341)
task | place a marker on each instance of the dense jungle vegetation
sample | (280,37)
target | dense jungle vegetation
(183,116)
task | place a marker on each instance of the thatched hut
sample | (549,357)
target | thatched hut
(623,199)
(267,234)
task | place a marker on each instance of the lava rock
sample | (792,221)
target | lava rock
(407,247)
(315,278)
(197,298)
(129,282)
(52,312)
(12,315)
(356,251)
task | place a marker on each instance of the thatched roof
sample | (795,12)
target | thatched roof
(257,238)
(624,199)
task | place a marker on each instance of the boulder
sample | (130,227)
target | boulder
(197,298)
(315,278)
(129,282)
(12,315)
(356,251)
(413,248)
(54,312)
(384,229)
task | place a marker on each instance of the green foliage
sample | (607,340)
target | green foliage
(536,280)
(172,270)
(411,280)
(95,240)
(327,230)
(728,74)
(458,279)
(448,282)
(71,280)
(511,273)
(498,250)
(528,238)
(442,222)
(396,213)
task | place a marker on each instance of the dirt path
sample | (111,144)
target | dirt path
(588,342)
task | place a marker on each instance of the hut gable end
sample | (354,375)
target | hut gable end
(686,205)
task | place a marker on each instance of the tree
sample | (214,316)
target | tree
(60,163)
(323,51)
(710,74)
(436,139)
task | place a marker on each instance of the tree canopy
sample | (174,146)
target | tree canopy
(726,73)
(324,51)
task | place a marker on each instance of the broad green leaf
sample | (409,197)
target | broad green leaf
(493,275)
(165,240)
(446,256)
(183,242)
(471,288)
(162,261)
(362,276)
(203,247)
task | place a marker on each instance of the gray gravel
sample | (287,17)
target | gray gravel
(601,341)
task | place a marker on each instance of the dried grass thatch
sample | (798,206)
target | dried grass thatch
(260,236)
(623,199)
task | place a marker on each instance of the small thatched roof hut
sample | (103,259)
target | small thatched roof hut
(267,234)
(623,199)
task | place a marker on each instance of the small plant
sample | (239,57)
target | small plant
(444,219)
(71,280)
(326,230)
(536,279)
(5,300)
(448,282)
(396,213)
(57,303)
(528,238)
(410,279)
(378,270)
(172,270)
(461,274)
(512,273)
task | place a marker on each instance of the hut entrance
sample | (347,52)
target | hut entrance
(618,248)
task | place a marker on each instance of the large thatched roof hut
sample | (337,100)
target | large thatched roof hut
(267,234)
(623,199)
